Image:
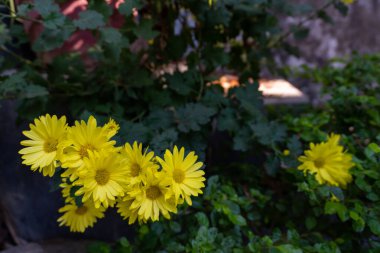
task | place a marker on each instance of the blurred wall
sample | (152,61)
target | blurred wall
(358,31)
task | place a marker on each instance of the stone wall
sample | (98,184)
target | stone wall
(358,31)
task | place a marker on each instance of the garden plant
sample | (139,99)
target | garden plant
(126,112)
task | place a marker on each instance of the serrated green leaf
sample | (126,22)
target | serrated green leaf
(51,39)
(191,116)
(89,19)
(227,120)
(268,133)
(110,35)
(182,83)
(164,140)
(45,7)
(127,7)
(242,139)
(250,99)
(17,87)
(145,29)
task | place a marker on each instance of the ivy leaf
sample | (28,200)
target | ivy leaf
(145,29)
(192,116)
(89,19)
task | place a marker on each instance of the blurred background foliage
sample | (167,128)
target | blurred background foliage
(154,71)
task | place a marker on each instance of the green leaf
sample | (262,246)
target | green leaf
(159,119)
(310,222)
(374,147)
(241,140)
(202,219)
(182,83)
(237,219)
(227,120)
(269,133)
(166,139)
(17,87)
(336,208)
(250,99)
(272,165)
(175,226)
(98,247)
(45,7)
(288,248)
(126,7)
(51,39)
(131,132)
(111,35)
(89,19)
(374,225)
(145,29)
(191,116)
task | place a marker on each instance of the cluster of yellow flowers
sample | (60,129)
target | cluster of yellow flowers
(328,162)
(97,174)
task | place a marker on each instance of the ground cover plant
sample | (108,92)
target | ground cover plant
(278,179)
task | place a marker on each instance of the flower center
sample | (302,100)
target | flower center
(102,176)
(83,152)
(135,170)
(50,145)
(319,163)
(153,192)
(81,210)
(178,175)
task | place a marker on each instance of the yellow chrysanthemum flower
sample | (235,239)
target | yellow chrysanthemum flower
(124,208)
(328,161)
(185,174)
(103,179)
(78,218)
(150,198)
(137,163)
(41,148)
(81,139)
(111,128)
